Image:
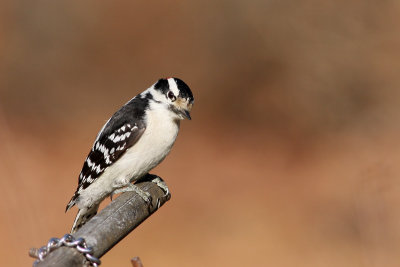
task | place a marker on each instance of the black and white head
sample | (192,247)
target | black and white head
(175,94)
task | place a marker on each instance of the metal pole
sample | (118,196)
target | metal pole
(110,226)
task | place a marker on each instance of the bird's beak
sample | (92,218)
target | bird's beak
(182,107)
(187,110)
(186,114)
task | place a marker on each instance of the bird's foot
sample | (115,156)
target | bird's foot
(161,184)
(133,188)
(157,180)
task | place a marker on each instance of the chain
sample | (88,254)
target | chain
(68,241)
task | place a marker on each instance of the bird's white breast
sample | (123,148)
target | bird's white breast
(152,147)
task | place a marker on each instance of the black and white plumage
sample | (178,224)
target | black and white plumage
(131,143)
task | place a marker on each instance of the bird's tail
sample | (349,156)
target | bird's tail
(83,216)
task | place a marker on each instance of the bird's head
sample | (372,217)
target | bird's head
(176,94)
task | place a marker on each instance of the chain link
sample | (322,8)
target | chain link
(68,241)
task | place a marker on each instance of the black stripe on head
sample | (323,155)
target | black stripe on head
(162,86)
(184,90)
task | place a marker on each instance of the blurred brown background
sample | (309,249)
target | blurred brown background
(292,156)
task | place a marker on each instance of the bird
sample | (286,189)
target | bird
(133,141)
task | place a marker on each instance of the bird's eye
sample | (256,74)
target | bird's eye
(171,96)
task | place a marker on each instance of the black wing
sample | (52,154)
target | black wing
(120,133)
(107,150)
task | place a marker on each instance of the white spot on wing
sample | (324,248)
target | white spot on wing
(121,147)
(89,162)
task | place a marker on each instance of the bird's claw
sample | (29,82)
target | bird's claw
(133,188)
(161,184)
